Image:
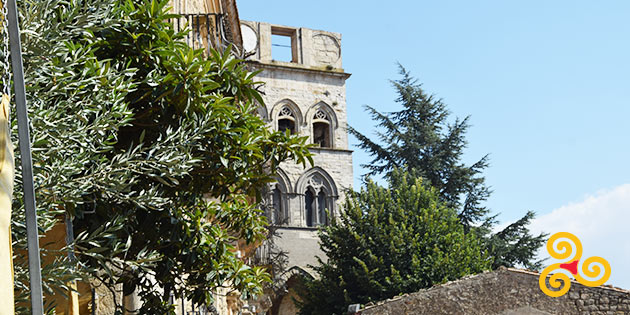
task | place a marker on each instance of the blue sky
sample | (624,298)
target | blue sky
(546,83)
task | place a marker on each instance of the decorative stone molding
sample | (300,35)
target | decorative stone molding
(327,49)
(287,108)
(319,177)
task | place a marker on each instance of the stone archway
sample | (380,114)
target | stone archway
(284,303)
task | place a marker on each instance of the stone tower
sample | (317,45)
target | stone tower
(306,95)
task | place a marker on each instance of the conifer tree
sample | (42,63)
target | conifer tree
(389,241)
(420,139)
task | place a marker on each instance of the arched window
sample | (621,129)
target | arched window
(315,207)
(315,204)
(286,120)
(321,129)
(322,207)
(319,196)
(276,214)
(276,200)
(309,201)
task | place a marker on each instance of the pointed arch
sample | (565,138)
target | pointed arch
(261,110)
(318,197)
(324,107)
(322,120)
(295,271)
(284,288)
(283,180)
(317,173)
(289,111)
(278,196)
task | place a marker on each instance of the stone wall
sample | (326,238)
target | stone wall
(336,163)
(301,246)
(306,89)
(310,92)
(306,86)
(314,49)
(505,292)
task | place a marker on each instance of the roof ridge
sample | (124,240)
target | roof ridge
(536,273)
(500,269)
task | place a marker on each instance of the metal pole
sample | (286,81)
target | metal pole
(34,266)
(93,301)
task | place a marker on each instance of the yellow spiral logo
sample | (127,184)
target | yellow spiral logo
(563,250)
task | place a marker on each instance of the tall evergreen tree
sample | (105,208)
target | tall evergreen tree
(389,241)
(420,139)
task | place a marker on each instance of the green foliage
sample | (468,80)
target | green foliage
(389,241)
(419,138)
(514,245)
(131,129)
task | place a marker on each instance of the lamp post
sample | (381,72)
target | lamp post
(34,265)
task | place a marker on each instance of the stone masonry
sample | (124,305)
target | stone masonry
(505,292)
(308,89)
(305,95)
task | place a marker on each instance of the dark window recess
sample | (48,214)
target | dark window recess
(321,203)
(309,200)
(321,134)
(286,124)
(277,206)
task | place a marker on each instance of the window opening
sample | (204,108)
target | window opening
(281,48)
(286,124)
(321,134)
(283,44)
(286,120)
(309,200)
(277,206)
(321,129)
(321,203)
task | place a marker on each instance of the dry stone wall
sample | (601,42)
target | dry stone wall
(505,292)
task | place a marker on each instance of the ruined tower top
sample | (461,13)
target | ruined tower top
(292,46)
